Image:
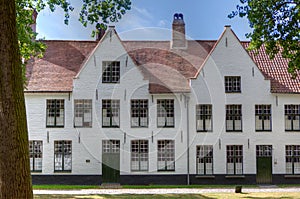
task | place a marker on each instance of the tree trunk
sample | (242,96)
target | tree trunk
(15,178)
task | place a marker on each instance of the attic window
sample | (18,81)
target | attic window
(232,84)
(110,72)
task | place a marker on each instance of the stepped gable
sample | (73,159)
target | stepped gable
(61,62)
(276,70)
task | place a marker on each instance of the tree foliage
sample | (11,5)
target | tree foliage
(96,12)
(18,42)
(276,24)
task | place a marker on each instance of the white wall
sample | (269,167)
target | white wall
(228,59)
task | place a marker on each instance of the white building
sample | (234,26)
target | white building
(162,112)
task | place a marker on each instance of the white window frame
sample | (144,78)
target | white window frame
(165,113)
(234,119)
(55,113)
(139,155)
(110,72)
(292,117)
(204,118)
(139,113)
(62,156)
(232,84)
(110,113)
(292,159)
(36,155)
(204,158)
(263,117)
(83,113)
(234,159)
(166,155)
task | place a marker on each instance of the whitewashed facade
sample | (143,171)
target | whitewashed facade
(77,144)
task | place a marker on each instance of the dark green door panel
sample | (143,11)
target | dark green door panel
(111,168)
(264,170)
(110,161)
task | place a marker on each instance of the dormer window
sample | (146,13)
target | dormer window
(232,84)
(110,72)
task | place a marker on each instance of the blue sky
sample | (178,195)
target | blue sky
(151,20)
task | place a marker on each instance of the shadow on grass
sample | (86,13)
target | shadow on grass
(283,197)
(247,195)
(125,196)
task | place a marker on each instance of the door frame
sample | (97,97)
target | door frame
(264,164)
(110,161)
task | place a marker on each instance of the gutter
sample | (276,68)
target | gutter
(25,91)
(188,139)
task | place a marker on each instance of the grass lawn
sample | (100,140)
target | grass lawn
(65,187)
(73,187)
(183,196)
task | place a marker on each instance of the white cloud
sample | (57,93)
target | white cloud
(142,11)
(162,23)
(135,18)
(148,33)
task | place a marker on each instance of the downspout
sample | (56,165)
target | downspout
(188,139)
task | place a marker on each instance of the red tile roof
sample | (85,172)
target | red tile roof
(168,70)
(276,71)
(61,62)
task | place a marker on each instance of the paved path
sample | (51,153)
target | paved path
(161,191)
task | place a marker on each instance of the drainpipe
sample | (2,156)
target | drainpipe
(188,139)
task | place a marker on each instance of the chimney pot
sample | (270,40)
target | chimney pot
(178,32)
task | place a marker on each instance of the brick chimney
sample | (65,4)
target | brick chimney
(178,32)
(100,33)
(34,17)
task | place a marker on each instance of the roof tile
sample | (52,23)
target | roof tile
(276,70)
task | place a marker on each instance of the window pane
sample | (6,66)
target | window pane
(139,113)
(166,155)
(234,118)
(165,113)
(36,155)
(204,159)
(234,159)
(263,117)
(110,72)
(203,117)
(110,113)
(232,84)
(62,155)
(139,155)
(55,113)
(292,117)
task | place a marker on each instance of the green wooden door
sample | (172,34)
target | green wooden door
(111,161)
(264,164)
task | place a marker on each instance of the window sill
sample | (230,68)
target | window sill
(235,176)
(208,131)
(54,126)
(166,171)
(233,92)
(292,131)
(35,172)
(138,127)
(292,176)
(111,82)
(234,131)
(261,131)
(63,172)
(205,176)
